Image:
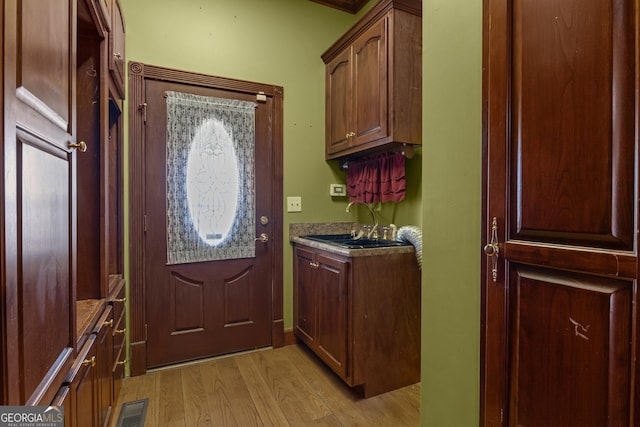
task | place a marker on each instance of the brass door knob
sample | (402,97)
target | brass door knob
(80,145)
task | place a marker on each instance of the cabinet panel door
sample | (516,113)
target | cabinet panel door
(339,103)
(304,304)
(332,333)
(560,338)
(39,205)
(370,84)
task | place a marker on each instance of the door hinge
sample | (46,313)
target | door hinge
(145,332)
(144,223)
(143,108)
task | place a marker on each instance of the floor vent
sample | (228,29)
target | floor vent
(132,414)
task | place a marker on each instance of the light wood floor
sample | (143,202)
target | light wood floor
(282,387)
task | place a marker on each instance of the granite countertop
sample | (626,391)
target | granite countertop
(296,230)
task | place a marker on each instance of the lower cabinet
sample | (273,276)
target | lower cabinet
(360,314)
(321,307)
(92,385)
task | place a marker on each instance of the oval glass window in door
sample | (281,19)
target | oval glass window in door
(212,182)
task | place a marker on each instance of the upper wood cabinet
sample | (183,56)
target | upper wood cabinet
(374,82)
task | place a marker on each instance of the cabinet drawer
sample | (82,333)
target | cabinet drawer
(64,399)
(119,336)
(119,302)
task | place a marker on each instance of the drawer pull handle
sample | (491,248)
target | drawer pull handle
(123,300)
(124,362)
(314,265)
(108,323)
(121,331)
(87,362)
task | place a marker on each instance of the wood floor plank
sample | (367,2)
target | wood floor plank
(218,396)
(147,387)
(196,404)
(263,400)
(231,384)
(297,399)
(170,398)
(337,395)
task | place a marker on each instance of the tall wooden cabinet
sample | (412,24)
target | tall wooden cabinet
(61,217)
(374,81)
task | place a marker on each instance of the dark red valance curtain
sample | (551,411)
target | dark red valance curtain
(380,178)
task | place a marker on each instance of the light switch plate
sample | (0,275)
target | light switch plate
(338,190)
(294,204)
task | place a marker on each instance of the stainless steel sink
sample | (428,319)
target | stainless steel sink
(347,241)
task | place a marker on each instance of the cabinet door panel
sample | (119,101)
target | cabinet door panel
(332,312)
(571,331)
(44,287)
(304,297)
(370,84)
(45,57)
(339,103)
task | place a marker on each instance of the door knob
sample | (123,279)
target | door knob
(263,237)
(81,145)
(492,249)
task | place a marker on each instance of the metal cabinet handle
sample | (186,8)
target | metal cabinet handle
(123,362)
(492,249)
(120,300)
(87,362)
(121,331)
(263,237)
(108,323)
(314,265)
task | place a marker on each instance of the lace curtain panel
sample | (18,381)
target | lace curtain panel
(210,178)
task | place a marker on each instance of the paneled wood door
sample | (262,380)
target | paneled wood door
(38,232)
(559,281)
(200,309)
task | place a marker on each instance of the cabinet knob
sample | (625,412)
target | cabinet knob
(87,362)
(314,265)
(117,55)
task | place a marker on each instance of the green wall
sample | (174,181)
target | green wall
(280,42)
(451,198)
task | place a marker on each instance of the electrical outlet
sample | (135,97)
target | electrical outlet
(294,204)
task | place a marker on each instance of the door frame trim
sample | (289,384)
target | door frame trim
(138,73)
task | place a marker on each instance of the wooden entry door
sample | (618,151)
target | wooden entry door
(559,286)
(201,309)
